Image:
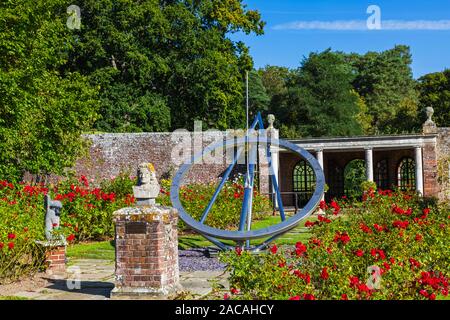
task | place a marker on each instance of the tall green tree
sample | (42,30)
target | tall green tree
(258,98)
(43,111)
(320,100)
(384,81)
(434,91)
(163,64)
(275,81)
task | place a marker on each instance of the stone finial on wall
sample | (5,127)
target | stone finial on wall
(429,127)
(271,120)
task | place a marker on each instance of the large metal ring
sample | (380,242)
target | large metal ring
(237,235)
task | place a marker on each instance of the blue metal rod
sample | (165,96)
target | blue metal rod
(246,202)
(219,188)
(273,177)
(226,175)
(253,152)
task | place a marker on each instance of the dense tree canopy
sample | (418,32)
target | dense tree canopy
(434,91)
(258,98)
(319,100)
(334,93)
(384,81)
(42,110)
(163,64)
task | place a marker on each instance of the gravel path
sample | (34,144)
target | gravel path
(199,260)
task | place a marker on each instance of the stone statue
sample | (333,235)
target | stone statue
(148,187)
(429,111)
(429,127)
(52,213)
(271,120)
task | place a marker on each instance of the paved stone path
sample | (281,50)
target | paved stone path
(97,281)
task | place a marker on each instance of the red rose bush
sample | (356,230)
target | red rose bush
(391,245)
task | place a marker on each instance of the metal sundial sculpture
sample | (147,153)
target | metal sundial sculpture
(245,233)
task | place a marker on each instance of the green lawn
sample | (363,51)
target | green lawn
(12,298)
(105,249)
(92,250)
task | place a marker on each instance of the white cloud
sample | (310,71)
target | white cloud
(362,25)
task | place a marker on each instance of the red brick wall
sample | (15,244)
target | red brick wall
(112,153)
(430,182)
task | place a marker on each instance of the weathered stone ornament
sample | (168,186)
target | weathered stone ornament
(148,187)
(52,213)
(429,127)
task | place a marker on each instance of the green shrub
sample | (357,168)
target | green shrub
(86,215)
(389,233)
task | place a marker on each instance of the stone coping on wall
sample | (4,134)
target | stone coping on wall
(365,142)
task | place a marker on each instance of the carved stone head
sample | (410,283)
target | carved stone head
(147,188)
(146,174)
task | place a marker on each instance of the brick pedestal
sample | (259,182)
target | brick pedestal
(146,251)
(55,256)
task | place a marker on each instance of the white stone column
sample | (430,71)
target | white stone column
(369,164)
(274,150)
(419,169)
(319,156)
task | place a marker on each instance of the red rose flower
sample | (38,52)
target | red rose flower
(378,227)
(300,248)
(274,249)
(344,296)
(359,253)
(419,237)
(294,298)
(226,296)
(234,291)
(309,224)
(70,238)
(365,228)
(308,296)
(324,274)
(354,281)
(11,236)
(238,251)
(11,245)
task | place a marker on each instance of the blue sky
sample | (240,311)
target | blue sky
(296,27)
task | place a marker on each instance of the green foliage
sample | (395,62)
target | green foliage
(334,93)
(162,64)
(42,110)
(258,98)
(320,100)
(435,92)
(354,177)
(384,81)
(390,231)
(367,186)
